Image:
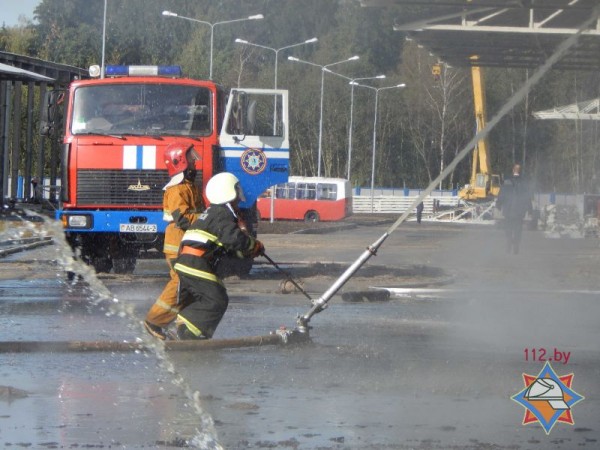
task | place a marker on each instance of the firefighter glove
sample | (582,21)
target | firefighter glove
(257,250)
(243,226)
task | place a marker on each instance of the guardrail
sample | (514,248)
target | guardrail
(389,204)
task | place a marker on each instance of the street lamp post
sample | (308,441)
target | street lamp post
(375,131)
(276,50)
(212,29)
(353,82)
(324,69)
(102,68)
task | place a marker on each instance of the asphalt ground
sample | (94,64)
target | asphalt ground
(434,367)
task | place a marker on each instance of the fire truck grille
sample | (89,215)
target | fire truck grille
(121,187)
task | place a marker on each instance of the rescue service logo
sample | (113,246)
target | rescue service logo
(253,161)
(548,398)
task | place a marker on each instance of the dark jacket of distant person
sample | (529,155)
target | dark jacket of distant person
(515,197)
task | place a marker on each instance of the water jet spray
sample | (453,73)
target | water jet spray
(322,302)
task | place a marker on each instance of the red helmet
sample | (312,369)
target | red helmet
(176,158)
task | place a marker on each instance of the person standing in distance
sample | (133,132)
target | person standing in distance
(420,208)
(515,201)
(214,234)
(182,203)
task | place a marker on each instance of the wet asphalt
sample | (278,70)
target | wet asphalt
(434,367)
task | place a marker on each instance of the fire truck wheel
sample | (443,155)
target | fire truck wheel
(124,257)
(311,216)
(124,265)
(101,264)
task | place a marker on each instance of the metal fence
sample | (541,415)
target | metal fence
(397,201)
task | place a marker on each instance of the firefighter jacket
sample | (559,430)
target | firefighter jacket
(182,204)
(216,232)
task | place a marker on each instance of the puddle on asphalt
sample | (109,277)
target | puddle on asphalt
(104,317)
(96,399)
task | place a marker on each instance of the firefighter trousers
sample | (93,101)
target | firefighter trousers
(207,302)
(165,309)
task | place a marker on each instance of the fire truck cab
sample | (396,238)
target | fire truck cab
(114,131)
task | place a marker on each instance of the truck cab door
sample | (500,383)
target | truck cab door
(254,140)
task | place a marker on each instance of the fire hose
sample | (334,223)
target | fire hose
(321,303)
(289,277)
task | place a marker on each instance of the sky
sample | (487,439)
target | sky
(10,10)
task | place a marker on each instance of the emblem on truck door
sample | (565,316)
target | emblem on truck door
(253,161)
(138,187)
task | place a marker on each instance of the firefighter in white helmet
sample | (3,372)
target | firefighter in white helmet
(182,203)
(215,233)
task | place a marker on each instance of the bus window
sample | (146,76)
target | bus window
(281,191)
(306,191)
(285,190)
(291,190)
(326,191)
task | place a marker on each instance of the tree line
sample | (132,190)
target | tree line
(420,127)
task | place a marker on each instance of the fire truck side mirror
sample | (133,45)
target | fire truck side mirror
(50,112)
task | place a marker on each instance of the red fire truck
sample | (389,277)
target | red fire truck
(114,131)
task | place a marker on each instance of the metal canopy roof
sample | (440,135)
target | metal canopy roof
(47,71)
(15,74)
(589,110)
(511,33)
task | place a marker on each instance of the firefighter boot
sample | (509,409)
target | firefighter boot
(185,334)
(155,330)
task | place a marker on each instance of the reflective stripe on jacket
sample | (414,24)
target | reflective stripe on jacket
(216,231)
(181,205)
(197,273)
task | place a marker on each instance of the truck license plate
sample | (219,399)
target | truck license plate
(137,228)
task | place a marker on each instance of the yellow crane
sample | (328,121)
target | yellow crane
(483,184)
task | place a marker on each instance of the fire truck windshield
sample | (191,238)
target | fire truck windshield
(147,109)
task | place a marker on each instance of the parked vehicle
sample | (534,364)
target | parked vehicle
(307,198)
(114,130)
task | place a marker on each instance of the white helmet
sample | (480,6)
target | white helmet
(223,188)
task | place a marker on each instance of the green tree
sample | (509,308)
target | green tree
(419,130)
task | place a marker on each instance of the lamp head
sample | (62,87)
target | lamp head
(293,58)
(310,41)
(241,41)
(169,13)
(256,17)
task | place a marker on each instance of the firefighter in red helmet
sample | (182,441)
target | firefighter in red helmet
(182,203)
